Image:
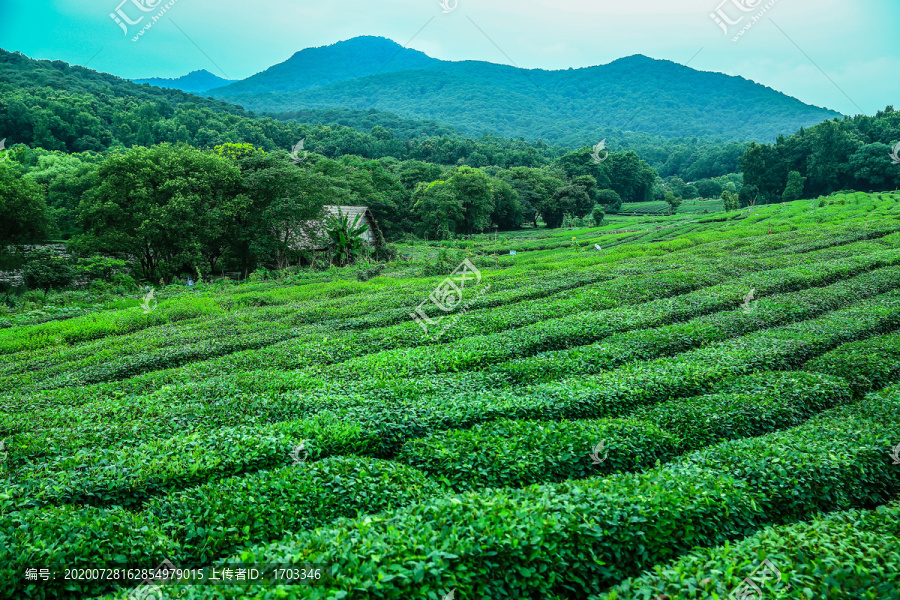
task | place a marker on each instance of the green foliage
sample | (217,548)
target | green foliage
(220,517)
(23,208)
(853,153)
(747,406)
(673,202)
(598,215)
(163,228)
(709,188)
(45,268)
(346,242)
(730,200)
(794,189)
(867,365)
(188,415)
(848,546)
(74,537)
(508,453)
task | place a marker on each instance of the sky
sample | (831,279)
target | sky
(836,54)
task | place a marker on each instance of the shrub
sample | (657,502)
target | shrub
(518,453)
(542,541)
(841,555)
(45,268)
(837,460)
(72,537)
(868,365)
(753,405)
(369,273)
(127,477)
(221,516)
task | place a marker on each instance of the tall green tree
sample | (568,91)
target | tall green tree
(161,207)
(794,189)
(24,213)
(474,193)
(508,211)
(438,208)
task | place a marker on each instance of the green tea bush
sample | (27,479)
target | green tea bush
(518,453)
(868,364)
(129,476)
(747,406)
(673,339)
(849,554)
(555,540)
(837,460)
(72,537)
(585,536)
(221,516)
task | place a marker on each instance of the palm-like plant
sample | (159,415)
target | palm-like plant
(345,237)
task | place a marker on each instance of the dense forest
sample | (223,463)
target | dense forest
(854,153)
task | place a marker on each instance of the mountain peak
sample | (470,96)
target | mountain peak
(194,82)
(324,65)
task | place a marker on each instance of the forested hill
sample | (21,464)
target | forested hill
(318,67)
(54,106)
(196,82)
(567,107)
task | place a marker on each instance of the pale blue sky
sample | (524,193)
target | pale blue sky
(834,53)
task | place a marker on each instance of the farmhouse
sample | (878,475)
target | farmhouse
(313,235)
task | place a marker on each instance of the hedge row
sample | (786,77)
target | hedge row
(575,538)
(477,352)
(339,346)
(849,554)
(868,365)
(233,333)
(74,537)
(196,525)
(379,427)
(506,453)
(770,311)
(838,459)
(221,516)
(126,476)
(747,406)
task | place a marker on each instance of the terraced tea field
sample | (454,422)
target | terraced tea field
(707,406)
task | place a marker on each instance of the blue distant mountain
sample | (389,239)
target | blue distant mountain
(195,83)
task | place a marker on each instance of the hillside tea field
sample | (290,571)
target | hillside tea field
(706,407)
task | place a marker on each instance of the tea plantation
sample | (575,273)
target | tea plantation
(706,405)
